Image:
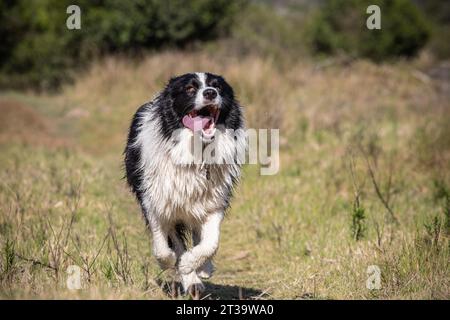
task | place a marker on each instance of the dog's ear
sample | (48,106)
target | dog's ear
(170,87)
(180,80)
(173,80)
(175,85)
(171,83)
(226,89)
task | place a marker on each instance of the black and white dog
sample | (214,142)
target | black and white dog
(176,192)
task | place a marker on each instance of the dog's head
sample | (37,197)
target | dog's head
(202,102)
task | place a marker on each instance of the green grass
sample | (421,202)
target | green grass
(345,131)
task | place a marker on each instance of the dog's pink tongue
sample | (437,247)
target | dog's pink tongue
(196,123)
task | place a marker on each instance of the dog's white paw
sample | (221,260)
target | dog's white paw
(192,284)
(186,264)
(206,270)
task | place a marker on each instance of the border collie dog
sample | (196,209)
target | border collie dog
(179,196)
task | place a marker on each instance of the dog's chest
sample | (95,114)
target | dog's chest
(187,191)
(174,187)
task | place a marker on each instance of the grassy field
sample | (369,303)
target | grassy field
(364,180)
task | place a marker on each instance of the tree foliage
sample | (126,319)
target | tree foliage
(37,46)
(340,25)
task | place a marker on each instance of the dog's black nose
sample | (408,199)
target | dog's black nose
(210,94)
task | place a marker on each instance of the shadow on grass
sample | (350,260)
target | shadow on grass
(212,291)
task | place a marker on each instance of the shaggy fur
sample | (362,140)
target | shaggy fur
(175,192)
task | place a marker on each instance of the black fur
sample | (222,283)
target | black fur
(133,156)
(174,102)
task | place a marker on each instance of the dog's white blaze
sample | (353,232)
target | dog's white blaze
(199,97)
(202,77)
(199,100)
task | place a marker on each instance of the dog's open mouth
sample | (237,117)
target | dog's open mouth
(204,119)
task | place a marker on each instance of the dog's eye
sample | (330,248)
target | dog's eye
(216,85)
(190,89)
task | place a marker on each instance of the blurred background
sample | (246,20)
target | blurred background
(365,144)
(38,50)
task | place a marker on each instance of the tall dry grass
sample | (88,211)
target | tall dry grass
(355,137)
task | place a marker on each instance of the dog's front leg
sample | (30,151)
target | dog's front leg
(193,259)
(164,254)
(206,270)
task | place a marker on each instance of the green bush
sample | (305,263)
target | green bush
(263,30)
(37,48)
(438,12)
(340,25)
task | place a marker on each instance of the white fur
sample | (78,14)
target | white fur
(199,99)
(202,77)
(175,189)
